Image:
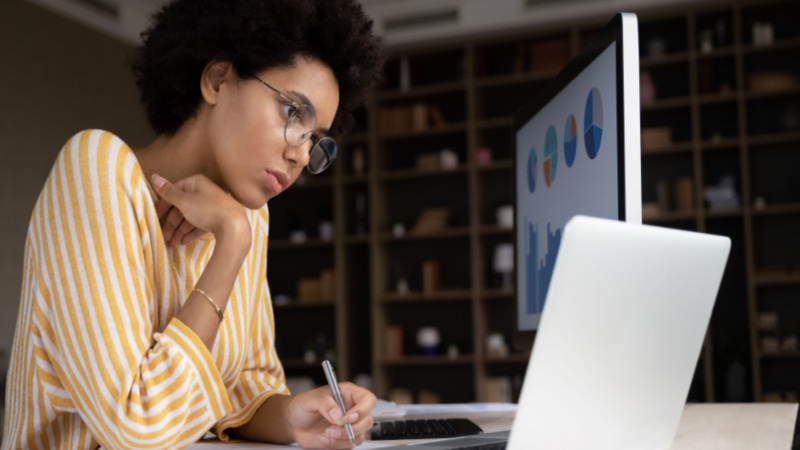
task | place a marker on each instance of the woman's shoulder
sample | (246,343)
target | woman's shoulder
(97,153)
(96,143)
(96,160)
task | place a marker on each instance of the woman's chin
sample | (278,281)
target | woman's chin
(254,200)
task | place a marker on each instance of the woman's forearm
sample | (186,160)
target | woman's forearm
(217,281)
(268,424)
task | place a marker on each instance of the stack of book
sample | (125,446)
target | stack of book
(415,117)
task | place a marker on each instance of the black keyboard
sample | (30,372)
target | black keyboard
(499,446)
(425,429)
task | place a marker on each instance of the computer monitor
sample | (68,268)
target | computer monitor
(576,151)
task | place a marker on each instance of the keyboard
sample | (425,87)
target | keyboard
(424,429)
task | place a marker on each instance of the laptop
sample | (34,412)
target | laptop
(618,341)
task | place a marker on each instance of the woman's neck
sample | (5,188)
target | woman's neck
(178,156)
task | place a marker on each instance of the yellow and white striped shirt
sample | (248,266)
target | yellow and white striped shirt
(98,357)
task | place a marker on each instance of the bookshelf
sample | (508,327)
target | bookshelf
(718,123)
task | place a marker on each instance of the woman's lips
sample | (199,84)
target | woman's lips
(274,183)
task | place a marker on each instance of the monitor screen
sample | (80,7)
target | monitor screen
(569,150)
(576,151)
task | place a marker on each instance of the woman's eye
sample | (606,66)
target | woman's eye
(289,109)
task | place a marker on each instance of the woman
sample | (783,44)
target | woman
(145,316)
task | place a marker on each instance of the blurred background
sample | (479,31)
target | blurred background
(391,263)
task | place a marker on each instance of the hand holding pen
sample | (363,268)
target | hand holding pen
(330,375)
(316,419)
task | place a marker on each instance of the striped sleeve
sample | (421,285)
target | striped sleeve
(134,387)
(262,375)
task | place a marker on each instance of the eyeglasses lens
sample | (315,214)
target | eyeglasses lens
(322,155)
(300,126)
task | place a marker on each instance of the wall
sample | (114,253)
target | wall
(56,78)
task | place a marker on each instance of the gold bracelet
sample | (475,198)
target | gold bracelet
(220,314)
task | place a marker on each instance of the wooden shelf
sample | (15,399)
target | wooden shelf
(370,258)
(677,147)
(356,239)
(494,294)
(436,360)
(779,355)
(516,78)
(444,295)
(434,131)
(667,103)
(409,236)
(668,59)
(772,94)
(511,358)
(671,216)
(777,46)
(422,91)
(724,214)
(488,230)
(724,143)
(302,306)
(500,164)
(773,210)
(721,52)
(279,244)
(408,174)
(713,99)
(776,280)
(775,138)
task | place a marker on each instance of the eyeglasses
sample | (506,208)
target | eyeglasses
(300,125)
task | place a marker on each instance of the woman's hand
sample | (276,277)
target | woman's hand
(195,206)
(316,420)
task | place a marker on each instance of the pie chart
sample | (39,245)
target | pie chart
(532,170)
(570,140)
(550,163)
(593,123)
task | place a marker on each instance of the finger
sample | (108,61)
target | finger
(171,223)
(183,229)
(338,438)
(362,425)
(167,190)
(193,235)
(162,208)
(339,434)
(320,400)
(358,399)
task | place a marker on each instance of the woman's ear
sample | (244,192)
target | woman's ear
(215,73)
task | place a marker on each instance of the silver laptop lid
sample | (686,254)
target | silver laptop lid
(621,332)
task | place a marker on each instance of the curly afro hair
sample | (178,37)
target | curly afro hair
(253,35)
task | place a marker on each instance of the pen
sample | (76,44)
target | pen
(337,395)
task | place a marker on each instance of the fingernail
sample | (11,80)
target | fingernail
(158,181)
(336,415)
(352,417)
(334,433)
(323,441)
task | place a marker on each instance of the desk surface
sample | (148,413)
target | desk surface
(703,426)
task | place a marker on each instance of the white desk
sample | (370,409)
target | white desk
(703,426)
